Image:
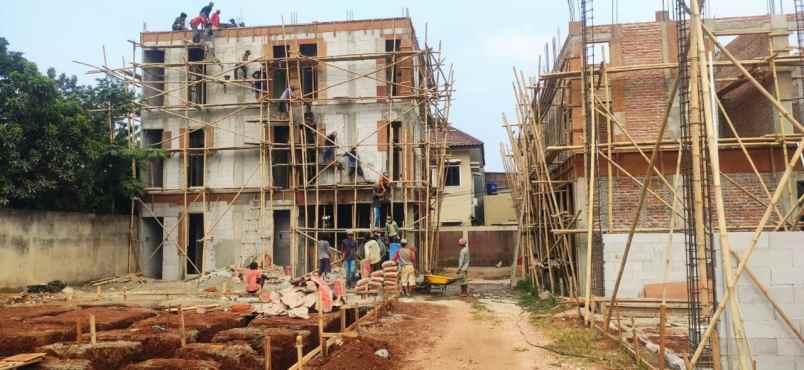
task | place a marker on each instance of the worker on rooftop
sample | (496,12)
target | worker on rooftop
(180,23)
(215,20)
(205,11)
(463,266)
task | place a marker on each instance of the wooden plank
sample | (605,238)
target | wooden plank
(20,360)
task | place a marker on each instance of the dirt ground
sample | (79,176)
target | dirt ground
(487,331)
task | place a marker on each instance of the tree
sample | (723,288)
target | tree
(56,151)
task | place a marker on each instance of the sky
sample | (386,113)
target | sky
(484,40)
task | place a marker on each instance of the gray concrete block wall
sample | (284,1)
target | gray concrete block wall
(778,262)
(645,263)
(40,246)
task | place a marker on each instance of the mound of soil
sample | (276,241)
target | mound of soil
(174,364)
(360,352)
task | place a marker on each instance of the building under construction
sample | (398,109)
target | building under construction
(275,137)
(665,154)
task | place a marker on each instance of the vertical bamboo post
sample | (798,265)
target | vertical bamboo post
(182,333)
(125,294)
(299,353)
(267,351)
(662,323)
(98,292)
(78,330)
(321,340)
(636,341)
(92,333)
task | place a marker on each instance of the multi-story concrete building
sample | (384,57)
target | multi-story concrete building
(252,175)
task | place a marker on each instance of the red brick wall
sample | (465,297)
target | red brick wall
(741,209)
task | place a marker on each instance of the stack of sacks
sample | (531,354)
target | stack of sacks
(363,286)
(390,277)
(376,280)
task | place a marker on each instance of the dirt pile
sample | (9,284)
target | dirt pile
(231,357)
(103,355)
(174,364)
(358,352)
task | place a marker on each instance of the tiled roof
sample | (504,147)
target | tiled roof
(458,138)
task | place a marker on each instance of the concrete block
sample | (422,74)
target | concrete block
(757,311)
(769,362)
(783,294)
(749,294)
(794,310)
(790,347)
(787,275)
(763,274)
(763,346)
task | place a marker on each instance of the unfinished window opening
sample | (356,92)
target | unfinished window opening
(195,162)
(154,76)
(282,237)
(452,173)
(309,76)
(600,51)
(479,185)
(195,244)
(280,51)
(392,71)
(395,158)
(151,248)
(196,77)
(281,157)
(364,216)
(800,194)
(279,81)
(152,174)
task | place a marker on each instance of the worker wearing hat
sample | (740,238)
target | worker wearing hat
(463,266)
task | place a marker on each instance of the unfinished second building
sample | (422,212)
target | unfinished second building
(252,175)
(584,172)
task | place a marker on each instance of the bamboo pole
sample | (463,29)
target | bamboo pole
(642,194)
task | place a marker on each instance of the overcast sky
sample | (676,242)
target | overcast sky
(484,40)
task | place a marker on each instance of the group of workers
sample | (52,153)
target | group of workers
(373,252)
(206,20)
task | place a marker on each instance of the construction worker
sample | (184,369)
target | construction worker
(463,266)
(205,11)
(328,155)
(254,279)
(405,259)
(285,99)
(376,200)
(372,252)
(195,25)
(180,23)
(215,19)
(324,266)
(349,250)
(353,161)
(391,228)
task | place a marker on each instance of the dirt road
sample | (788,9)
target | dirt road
(483,335)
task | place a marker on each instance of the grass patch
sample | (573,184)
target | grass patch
(482,313)
(570,336)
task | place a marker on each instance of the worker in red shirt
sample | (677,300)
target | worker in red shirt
(195,24)
(215,20)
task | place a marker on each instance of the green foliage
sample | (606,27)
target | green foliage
(56,151)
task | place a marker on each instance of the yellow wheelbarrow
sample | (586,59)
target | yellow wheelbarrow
(439,282)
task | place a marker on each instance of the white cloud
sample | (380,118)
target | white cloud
(519,47)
